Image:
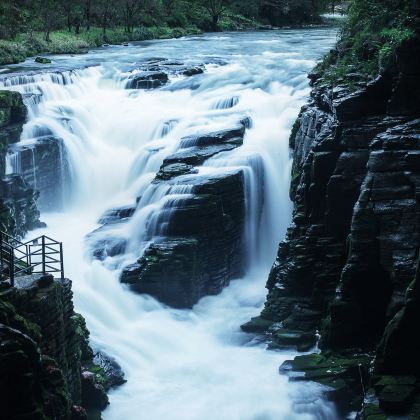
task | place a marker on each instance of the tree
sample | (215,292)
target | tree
(103,12)
(131,10)
(51,16)
(216,8)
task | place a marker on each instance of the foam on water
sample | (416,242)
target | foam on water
(180,364)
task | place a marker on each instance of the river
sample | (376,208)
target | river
(179,364)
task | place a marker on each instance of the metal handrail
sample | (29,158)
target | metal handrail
(41,255)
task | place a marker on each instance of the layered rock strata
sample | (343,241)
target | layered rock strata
(47,366)
(352,249)
(200,244)
(18,208)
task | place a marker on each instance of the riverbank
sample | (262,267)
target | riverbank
(65,42)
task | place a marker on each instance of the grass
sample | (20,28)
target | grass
(369,40)
(64,42)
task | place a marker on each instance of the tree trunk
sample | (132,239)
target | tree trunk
(215,22)
(87,15)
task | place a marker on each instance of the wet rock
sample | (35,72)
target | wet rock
(18,209)
(173,170)
(116,215)
(103,242)
(193,71)
(111,370)
(93,392)
(20,369)
(282,338)
(202,249)
(200,243)
(343,375)
(42,60)
(150,80)
(257,325)
(352,249)
(196,149)
(43,165)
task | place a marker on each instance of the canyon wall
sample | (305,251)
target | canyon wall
(346,271)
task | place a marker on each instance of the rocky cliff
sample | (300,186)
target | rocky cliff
(45,354)
(47,368)
(18,209)
(194,238)
(347,267)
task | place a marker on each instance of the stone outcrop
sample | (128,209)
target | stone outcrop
(45,353)
(43,165)
(199,248)
(352,249)
(18,208)
(155,73)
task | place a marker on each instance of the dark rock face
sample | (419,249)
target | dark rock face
(352,249)
(202,248)
(20,368)
(150,80)
(44,351)
(155,73)
(344,375)
(116,215)
(200,245)
(111,369)
(43,165)
(18,209)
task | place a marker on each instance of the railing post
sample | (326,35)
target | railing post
(27,259)
(12,266)
(61,261)
(1,253)
(43,254)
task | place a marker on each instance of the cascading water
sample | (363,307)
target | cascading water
(180,364)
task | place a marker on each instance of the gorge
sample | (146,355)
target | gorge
(115,142)
(165,168)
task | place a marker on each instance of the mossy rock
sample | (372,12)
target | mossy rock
(396,380)
(342,374)
(257,325)
(12,111)
(83,334)
(303,341)
(396,398)
(372,412)
(42,60)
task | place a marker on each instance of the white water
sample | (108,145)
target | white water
(193,364)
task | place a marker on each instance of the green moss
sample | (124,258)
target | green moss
(369,39)
(9,316)
(83,333)
(63,42)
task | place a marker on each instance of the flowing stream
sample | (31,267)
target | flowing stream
(179,364)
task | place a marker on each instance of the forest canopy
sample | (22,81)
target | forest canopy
(31,27)
(19,16)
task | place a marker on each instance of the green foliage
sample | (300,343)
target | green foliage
(369,39)
(31,27)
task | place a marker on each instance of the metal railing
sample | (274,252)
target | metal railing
(41,255)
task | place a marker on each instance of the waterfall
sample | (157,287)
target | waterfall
(180,364)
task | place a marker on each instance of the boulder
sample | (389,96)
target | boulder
(117,214)
(202,249)
(147,80)
(110,369)
(44,166)
(197,238)
(42,60)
